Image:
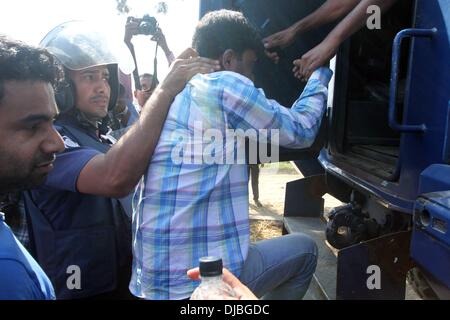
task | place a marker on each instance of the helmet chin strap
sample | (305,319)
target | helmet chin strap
(83,119)
(92,121)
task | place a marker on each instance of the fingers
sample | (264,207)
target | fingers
(200,62)
(273,56)
(132,24)
(159,36)
(188,53)
(194,274)
(242,292)
(190,67)
(268,43)
(308,74)
(297,70)
(303,69)
(204,61)
(132,27)
(272,41)
(229,278)
(281,39)
(230,298)
(199,67)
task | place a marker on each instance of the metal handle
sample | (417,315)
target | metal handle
(424,33)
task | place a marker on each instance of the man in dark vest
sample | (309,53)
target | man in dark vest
(28,146)
(80,218)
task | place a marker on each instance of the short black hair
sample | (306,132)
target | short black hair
(22,62)
(146,75)
(221,30)
(149,76)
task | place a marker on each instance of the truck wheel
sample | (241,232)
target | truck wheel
(420,284)
(345,228)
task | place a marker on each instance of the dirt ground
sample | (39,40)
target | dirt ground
(266,221)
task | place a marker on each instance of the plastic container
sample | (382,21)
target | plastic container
(212,286)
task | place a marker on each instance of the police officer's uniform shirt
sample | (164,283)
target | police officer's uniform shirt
(70,228)
(67,167)
(21,278)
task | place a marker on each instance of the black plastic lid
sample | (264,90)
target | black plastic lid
(211,266)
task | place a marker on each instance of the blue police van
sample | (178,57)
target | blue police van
(383,148)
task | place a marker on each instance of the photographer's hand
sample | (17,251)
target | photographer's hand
(160,39)
(131,29)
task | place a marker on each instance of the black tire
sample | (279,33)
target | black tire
(355,229)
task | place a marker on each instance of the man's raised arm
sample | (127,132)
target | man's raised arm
(117,172)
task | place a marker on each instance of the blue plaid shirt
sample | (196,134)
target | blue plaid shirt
(185,210)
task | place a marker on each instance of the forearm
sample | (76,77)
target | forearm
(248,108)
(130,157)
(327,13)
(120,169)
(169,55)
(355,20)
(162,42)
(307,112)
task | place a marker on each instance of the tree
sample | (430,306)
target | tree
(122,6)
(162,7)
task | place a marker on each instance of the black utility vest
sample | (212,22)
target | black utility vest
(97,243)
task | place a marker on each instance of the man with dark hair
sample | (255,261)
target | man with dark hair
(209,36)
(147,88)
(190,206)
(27,152)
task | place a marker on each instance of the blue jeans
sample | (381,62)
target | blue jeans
(280,268)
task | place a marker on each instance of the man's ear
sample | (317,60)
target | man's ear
(135,94)
(227,59)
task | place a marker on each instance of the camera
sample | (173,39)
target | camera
(148,25)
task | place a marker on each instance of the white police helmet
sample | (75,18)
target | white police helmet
(80,45)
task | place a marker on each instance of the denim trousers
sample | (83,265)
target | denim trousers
(280,268)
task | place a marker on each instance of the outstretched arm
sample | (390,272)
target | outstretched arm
(328,12)
(248,108)
(320,54)
(131,29)
(160,38)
